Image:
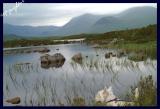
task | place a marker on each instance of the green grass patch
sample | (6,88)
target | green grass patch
(147,92)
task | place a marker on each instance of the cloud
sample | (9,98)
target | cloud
(37,14)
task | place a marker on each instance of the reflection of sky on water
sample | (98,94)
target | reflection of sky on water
(85,80)
(67,50)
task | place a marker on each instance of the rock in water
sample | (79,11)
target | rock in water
(43,50)
(121,53)
(110,54)
(15,100)
(45,59)
(57,60)
(77,58)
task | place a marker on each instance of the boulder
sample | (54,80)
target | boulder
(45,65)
(77,58)
(46,59)
(15,100)
(57,60)
(105,95)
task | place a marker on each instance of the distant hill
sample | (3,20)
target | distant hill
(131,18)
(7,37)
(29,30)
(137,36)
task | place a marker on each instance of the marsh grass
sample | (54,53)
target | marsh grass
(136,51)
(147,92)
(76,86)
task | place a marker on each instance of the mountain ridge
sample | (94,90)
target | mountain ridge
(90,23)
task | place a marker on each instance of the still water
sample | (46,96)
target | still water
(23,75)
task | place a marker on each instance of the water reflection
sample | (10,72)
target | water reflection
(47,83)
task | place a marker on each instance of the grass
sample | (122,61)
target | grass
(78,101)
(142,42)
(140,51)
(147,92)
(147,95)
(79,87)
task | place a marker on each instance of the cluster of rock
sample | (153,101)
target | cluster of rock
(119,54)
(57,60)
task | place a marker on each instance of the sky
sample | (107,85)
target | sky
(58,14)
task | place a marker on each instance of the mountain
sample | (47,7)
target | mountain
(131,18)
(80,24)
(107,24)
(29,30)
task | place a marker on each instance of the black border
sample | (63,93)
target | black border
(78,1)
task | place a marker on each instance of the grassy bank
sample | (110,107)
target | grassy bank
(142,42)
(140,51)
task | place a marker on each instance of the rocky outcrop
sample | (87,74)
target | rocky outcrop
(15,100)
(107,97)
(77,58)
(57,60)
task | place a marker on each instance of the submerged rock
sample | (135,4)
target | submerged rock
(42,50)
(15,100)
(26,63)
(110,54)
(77,58)
(57,60)
(121,53)
(57,49)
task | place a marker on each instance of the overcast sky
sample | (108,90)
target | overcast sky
(58,14)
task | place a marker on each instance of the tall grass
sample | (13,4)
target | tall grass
(147,92)
(76,85)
